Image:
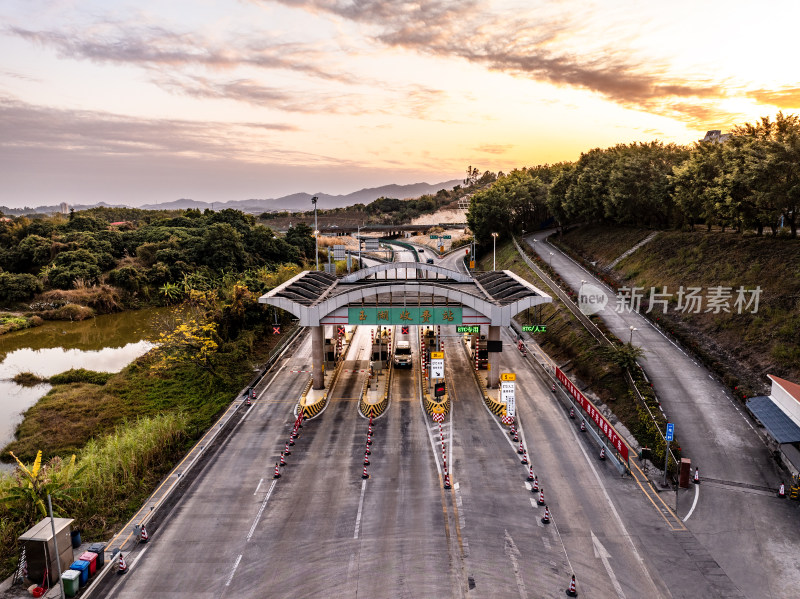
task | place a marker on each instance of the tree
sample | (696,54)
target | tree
(33,486)
(194,340)
(301,236)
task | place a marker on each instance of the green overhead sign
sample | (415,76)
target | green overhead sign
(473,329)
(534,328)
(404,315)
(434,237)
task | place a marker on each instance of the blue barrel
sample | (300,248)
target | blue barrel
(82,567)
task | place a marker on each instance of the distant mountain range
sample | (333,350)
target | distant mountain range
(292,202)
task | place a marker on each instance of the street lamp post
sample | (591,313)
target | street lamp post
(494,248)
(358,238)
(630,341)
(316,230)
(551,260)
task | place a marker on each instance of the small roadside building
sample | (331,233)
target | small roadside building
(779,412)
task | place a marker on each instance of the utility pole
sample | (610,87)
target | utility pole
(316,230)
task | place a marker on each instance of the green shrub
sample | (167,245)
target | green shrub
(18,288)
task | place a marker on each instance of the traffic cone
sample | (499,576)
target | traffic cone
(535,485)
(369,439)
(696,479)
(553,388)
(446,480)
(516,437)
(540,501)
(286,450)
(603,452)
(524,459)
(369,451)
(583,426)
(572,413)
(521,449)
(546,517)
(513,430)
(530,473)
(366,460)
(364,474)
(122,567)
(782,491)
(283,462)
(571,591)
(277,473)
(291,440)
(144,537)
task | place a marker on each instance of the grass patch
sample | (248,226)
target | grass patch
(16,322)
(80,375)
(27,379)
(599,244)
(113,475)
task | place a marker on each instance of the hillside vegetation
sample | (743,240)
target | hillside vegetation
(742,348)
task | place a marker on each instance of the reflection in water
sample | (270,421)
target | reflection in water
(47,362)
(107,344)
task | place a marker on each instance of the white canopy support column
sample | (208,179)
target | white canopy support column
(317,357)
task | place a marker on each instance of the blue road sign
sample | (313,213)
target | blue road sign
(670,432)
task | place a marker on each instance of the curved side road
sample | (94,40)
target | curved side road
(744,528)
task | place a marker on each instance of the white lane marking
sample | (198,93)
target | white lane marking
(603,554)
(138,557)
(261,509)
(360,507)
(513,553)
(694,503)
(627,535)
(258,487)
(233,571)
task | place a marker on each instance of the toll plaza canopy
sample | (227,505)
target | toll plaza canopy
(403,293)
(409,293)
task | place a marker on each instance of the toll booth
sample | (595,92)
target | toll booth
(329,352)
(381,349)
(480,352)
(40,549)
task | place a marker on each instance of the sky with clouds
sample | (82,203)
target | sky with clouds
(214,100)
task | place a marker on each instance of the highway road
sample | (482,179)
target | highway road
(735,513)
(321,530)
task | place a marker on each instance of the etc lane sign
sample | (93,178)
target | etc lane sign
(588,407)
(507,392)
(437,365)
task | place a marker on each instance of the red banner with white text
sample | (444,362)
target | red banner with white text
(588,407)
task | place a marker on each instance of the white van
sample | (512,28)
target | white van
(402,354)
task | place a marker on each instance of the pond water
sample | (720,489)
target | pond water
(107,343)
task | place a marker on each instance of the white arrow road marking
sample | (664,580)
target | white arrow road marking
(513,553)
(603,554)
